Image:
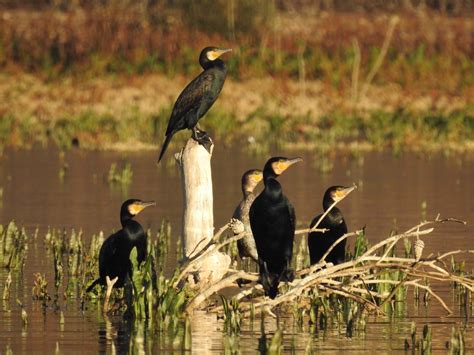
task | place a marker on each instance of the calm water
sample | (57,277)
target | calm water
(394,193)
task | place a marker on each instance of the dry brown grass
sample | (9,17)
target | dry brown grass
(428,49)
(129,63)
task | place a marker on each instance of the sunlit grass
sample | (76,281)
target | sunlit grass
(397,131)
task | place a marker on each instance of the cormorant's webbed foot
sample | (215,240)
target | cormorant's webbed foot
(202,138)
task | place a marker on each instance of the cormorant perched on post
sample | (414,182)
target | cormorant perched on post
(246,245)
(272,218)
(319,242)
(114,256)
(197,98)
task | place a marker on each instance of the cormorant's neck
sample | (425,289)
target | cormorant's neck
(273,188)
(268,174)
(248,187)
(327,203)
(207,64)
(246,192)
(125,218)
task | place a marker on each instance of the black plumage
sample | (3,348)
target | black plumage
(272,219)
(114,256)
(319,242)
(197,97)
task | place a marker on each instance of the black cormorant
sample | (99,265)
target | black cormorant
(114,256)
(197,98)
(272,218)
(246,245)
(318,242)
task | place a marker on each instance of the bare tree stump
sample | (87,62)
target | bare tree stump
(198,218)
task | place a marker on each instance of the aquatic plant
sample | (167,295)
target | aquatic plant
(425,346)
(76,263)
(6,286)
(40,289)
(456,345)
(276,343)
(232,316)
(24,315)
(232,345)
(75,253)
(62,171)
(122,177)
(170,303)
(143,278)
(161,244)
(13,246)
(58,264)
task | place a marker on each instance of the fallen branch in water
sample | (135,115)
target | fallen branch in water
(354,279)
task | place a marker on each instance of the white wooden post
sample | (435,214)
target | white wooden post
(198,218)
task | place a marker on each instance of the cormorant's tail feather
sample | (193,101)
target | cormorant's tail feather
(89,289)
(165,145)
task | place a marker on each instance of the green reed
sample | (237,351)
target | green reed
(232,316)
(39,290)
(457,344)
(24,315)
(155,305)
(120,176)
(13,246)
(6,286)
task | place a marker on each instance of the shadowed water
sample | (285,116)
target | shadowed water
(394,193)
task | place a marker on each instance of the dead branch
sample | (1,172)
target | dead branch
(367,269)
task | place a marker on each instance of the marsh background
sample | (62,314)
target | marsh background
(305,74)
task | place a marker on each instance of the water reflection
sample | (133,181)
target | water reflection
(115,335)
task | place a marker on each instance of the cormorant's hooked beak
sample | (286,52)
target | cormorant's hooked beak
(139,206)
(146,204)
(294,161)
(342,193)
(216,53)
(280,166)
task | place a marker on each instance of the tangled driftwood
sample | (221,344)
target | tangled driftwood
(358,274)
